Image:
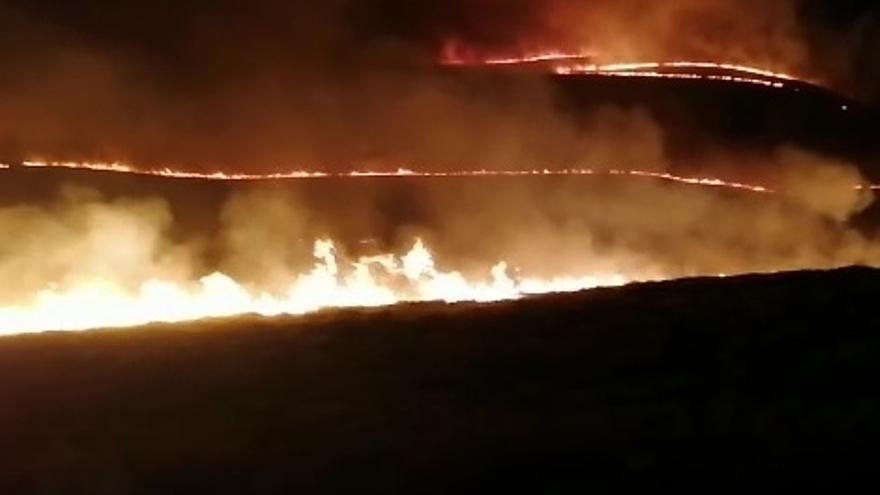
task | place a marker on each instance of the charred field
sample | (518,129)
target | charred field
(696,381)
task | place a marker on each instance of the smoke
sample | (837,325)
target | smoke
(751,31)
(824,185)
(843,39)
(84,239)
(343,84)
(263,236)
(645,227)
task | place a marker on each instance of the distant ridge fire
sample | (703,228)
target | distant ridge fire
(87,261)
(581,62)
(405,172)
(120,267)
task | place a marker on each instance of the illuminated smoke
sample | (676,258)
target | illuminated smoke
(87,261)
(288,82)
(401,172)
(348,86)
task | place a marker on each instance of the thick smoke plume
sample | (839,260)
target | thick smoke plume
(263,237)
(342,84)
(83,238)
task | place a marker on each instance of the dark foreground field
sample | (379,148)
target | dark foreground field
(722,381)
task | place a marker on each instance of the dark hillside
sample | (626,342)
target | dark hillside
(712,379)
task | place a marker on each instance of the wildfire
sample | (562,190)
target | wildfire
(669,75)
(580,63)
(538,57)
(167,172)
(657,66)
(171,173)
(454,53)
(332,283)
(400,172)
(368,281)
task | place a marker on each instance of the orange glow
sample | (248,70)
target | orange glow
(454,53)
(665,75)
(168,172)
(580,63)
(538,57)
(331,283)
(678,70)
(629,67)
(400,172)
(380,280)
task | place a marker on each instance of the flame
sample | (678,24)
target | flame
(373,281)
(666,75)
(579,62)
(167,172)
(368,282)
(538,57)
(455,53)
(685,65)
(400,172)
(677,70)
(333,282)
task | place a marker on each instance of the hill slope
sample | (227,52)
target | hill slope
(720,379)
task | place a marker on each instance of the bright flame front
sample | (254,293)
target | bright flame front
(368,282)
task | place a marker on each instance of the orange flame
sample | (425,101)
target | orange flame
(116,167)
(674,70)
(332,282)
(400,172)
(579,63)
(368,282)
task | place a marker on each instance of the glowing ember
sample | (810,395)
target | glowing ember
(367,282)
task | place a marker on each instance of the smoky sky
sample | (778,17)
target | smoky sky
(276,83)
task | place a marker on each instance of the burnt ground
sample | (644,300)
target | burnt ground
(711,382)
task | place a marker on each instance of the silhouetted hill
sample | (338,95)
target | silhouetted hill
(725,381)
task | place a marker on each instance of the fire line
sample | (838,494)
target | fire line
(332,282)
(400,172)
(116,167)
(580,63)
